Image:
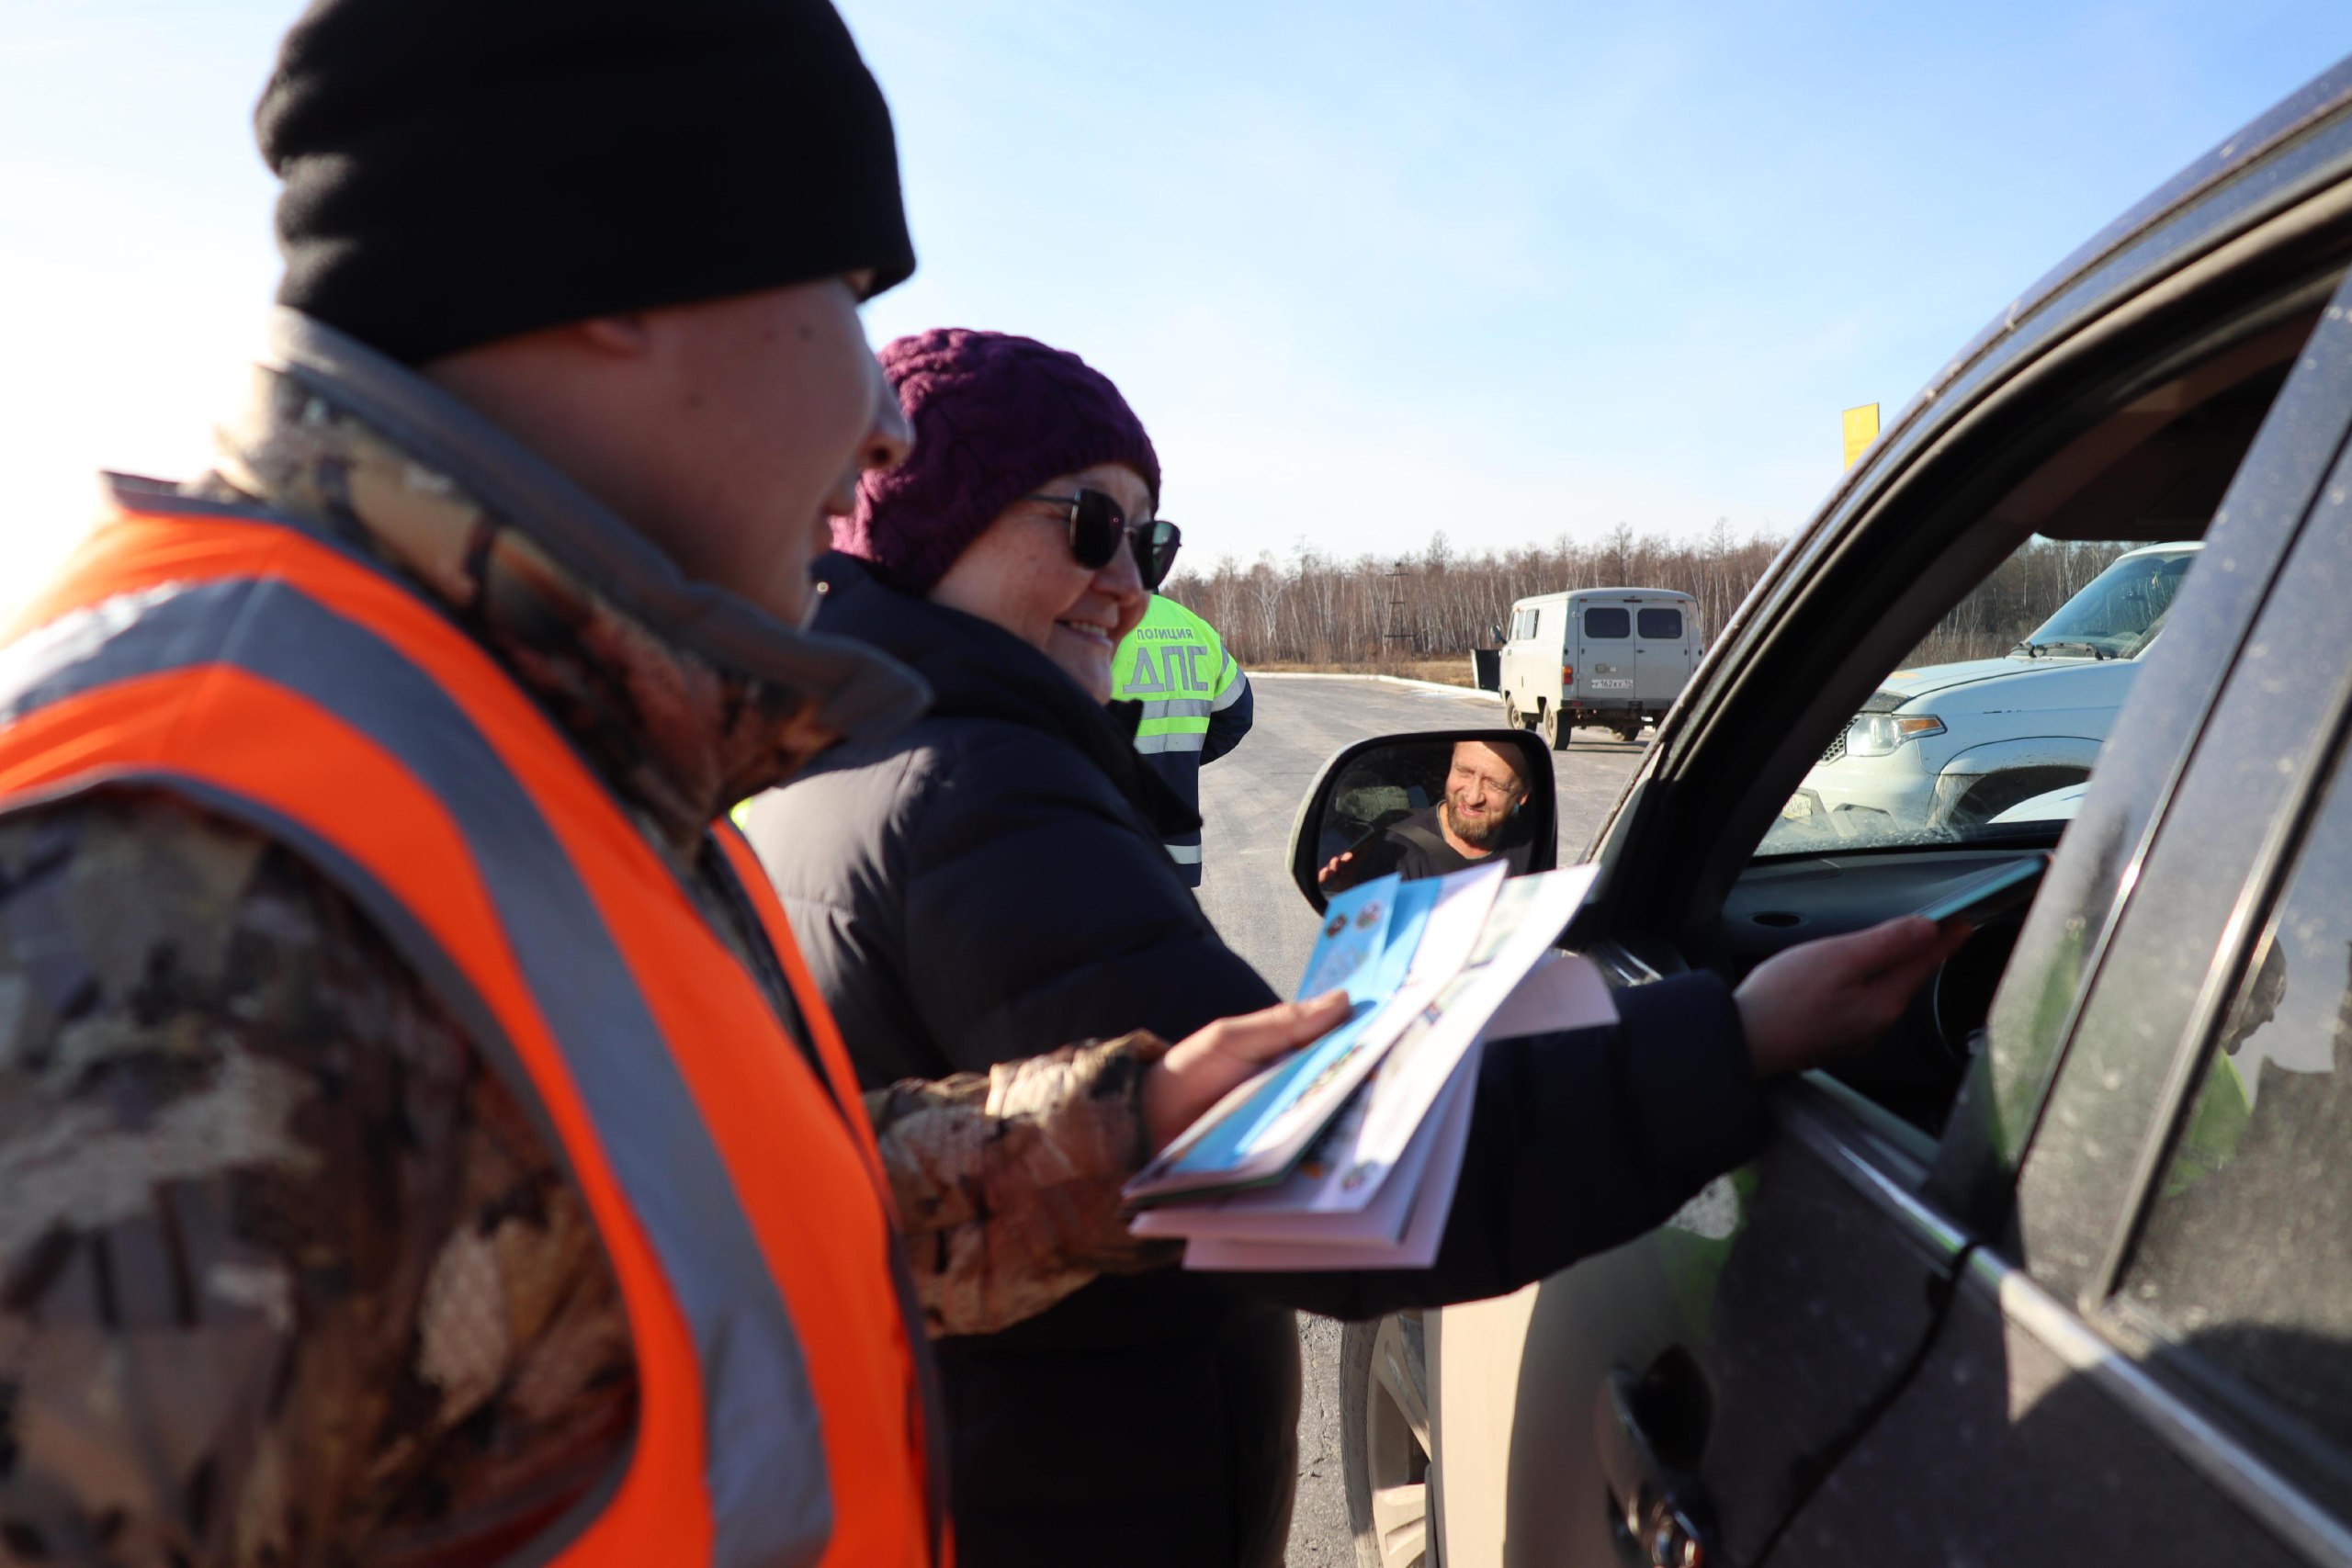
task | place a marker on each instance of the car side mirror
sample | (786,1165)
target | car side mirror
(1423,805)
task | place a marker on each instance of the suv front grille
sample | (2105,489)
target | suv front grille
(1837,748)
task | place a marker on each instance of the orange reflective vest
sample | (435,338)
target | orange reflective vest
(274,678)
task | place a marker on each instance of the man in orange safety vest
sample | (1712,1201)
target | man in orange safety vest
(424,1143)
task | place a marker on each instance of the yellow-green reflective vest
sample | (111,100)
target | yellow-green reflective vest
(1176,666)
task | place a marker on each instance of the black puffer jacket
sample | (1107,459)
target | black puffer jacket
(990,883)
(991,877)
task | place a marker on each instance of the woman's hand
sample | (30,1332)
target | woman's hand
(1203,1068)
(1823,999)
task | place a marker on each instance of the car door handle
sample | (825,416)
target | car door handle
(1649,1432)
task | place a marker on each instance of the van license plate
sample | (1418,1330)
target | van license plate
(1610,685)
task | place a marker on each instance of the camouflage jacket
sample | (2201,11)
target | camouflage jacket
(285,1275)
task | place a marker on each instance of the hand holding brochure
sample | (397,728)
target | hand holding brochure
(1345,1155)
(1369,934)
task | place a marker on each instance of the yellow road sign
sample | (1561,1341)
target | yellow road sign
(1861,429)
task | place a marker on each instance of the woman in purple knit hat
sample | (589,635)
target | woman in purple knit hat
(989,883)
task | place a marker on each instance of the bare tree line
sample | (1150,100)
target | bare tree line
(1320,610)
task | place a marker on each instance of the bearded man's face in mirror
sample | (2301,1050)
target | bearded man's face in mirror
(1482,789)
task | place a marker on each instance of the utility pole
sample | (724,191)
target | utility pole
(1397,630)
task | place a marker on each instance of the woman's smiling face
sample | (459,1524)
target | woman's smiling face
(1020,574)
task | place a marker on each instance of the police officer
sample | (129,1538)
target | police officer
(1196,706)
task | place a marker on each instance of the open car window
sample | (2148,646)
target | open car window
(1984,698)
(1990,730)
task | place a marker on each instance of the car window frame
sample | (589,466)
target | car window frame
(2255,905)
(2278,186)
(2263,1435)
(2222,1424)
(2287,493)
(2287,1480)
(2229,298)
(2070,1197)
(2275,1436)
(2214,243)
(1661,914)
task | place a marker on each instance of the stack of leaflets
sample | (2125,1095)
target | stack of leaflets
(1345,1155)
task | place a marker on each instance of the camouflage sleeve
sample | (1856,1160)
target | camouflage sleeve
(287,1277)
(1007,1182)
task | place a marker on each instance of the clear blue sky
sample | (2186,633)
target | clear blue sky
(1366,269)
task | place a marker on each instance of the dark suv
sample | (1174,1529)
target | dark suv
(2061,1272)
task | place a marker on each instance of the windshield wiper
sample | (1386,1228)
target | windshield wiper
(2036,650)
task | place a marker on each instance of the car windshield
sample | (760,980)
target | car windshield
(2119,615)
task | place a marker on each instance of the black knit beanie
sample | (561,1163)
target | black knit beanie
(459,170)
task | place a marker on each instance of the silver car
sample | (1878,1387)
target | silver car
(1944,748)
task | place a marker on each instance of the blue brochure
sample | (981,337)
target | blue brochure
(1345,1154)
(1355,931)
(1366,947)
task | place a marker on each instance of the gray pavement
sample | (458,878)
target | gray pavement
(1248,799)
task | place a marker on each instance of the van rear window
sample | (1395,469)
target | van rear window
(1607,621)
(1663,625)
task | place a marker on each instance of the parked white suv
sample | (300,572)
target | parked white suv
(1950,747)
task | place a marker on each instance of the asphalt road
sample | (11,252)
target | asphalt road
(1247,799)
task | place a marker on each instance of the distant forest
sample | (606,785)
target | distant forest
(1319,611)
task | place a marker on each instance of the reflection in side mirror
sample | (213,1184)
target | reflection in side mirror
(1424,805)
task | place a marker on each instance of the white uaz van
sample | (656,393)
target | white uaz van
(1950,747)
(1611,657)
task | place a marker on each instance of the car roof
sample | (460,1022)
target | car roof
(2181,546)
(2323,97)
(1625,593)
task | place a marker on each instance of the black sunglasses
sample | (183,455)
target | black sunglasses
(1097,523)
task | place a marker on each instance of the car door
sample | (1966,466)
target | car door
(1555,632)
(1514,675)
(1661,654)
(2150,1360)
(1539,665)
(1747,1335)
(1605,647)
(1734,1373)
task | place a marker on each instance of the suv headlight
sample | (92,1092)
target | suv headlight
(1877,734)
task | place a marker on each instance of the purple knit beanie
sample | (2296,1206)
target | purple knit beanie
(994,417)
